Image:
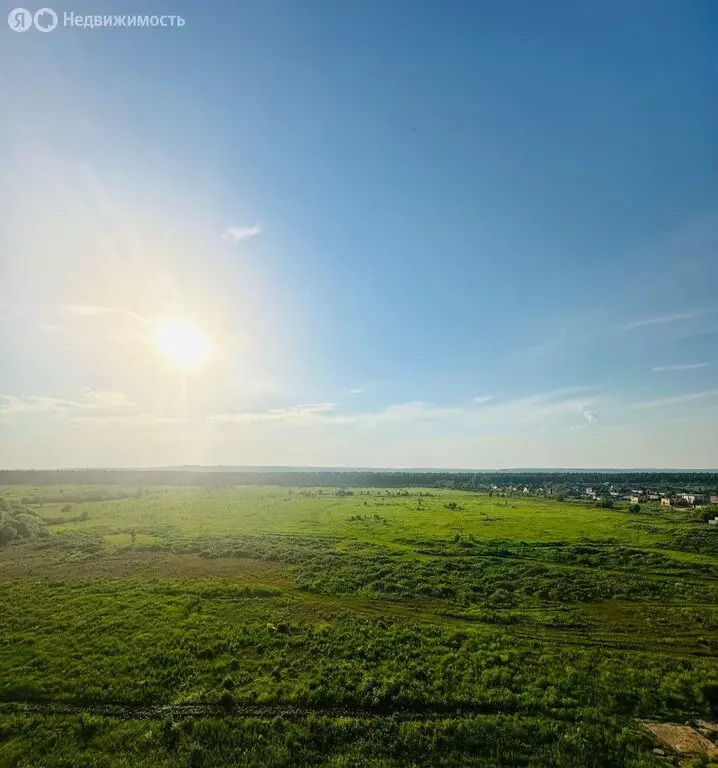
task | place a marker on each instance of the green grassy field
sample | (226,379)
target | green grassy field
(275,627)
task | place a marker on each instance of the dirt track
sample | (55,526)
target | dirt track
(187,711)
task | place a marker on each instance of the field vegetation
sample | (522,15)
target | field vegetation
(278,626)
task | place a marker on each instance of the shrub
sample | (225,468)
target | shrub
(20,524)
(7,534)
(226,700)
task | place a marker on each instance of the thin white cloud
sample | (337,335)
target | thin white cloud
(94,310)
(107,399)
(115,407)
(483,398)
(674,400)
(590,416)
(294,413)
(670,318)
(323,413)
(355,391)
(130,419)
(404,413)
(554,405)
(236,234)
(299,411)
(11,406)
(99,401)
(688,367)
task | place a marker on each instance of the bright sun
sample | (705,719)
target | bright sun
(183,342)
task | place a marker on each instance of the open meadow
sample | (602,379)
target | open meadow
(271,626)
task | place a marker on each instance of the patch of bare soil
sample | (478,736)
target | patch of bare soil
(683,739)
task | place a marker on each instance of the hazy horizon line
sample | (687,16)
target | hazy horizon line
(348,469)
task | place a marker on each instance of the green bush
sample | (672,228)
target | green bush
(20,523)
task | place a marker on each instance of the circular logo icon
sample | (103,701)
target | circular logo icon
(45,20)
(19,20)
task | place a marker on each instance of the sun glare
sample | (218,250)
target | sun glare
(183,342)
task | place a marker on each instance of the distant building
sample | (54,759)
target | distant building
(714,498)
(666,501)
(654,496)
(636,499)
(692,498)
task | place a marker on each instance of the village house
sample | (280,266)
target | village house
(692,498)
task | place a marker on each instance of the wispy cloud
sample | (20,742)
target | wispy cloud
(688,367)
(590,416)
(107,399)
(97,401)
(94,310)
(129,419)
(11,406)
(355,391)
(294,413)
(674,400)
(483,398)
(109,406)
(670,318)
(553,405)
(557,404)
(235,234)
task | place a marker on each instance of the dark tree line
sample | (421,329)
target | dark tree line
(471,481)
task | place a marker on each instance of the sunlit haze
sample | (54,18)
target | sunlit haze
(183,342)
(362,234)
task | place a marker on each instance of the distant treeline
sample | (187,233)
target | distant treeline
(478,481)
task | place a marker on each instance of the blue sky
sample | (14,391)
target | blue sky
(469,234)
